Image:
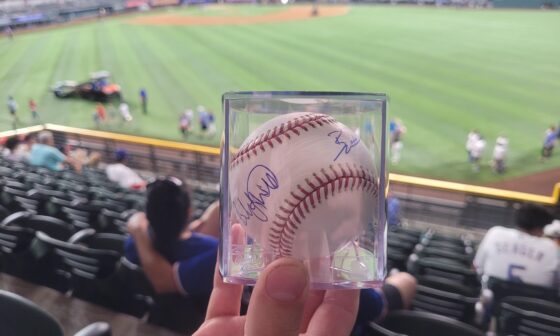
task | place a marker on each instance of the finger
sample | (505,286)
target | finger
(234,326)
(277,303)
(225,299)
(314,299)
(336,314)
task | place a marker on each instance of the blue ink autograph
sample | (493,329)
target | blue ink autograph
(260,182)
(345,147)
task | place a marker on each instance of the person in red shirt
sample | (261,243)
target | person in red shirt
(101,112)
(33,109)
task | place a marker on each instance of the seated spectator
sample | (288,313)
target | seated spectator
(123,175)
(12,150)
(175,260)
(393,212)
(209,222)
(45,154)
(520,254)
(552,231)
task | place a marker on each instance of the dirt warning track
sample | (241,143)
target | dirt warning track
(296,13)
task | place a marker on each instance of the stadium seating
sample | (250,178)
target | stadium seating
(453,305)
(90,262)
(502,288)
(19,316)
(414,323)
(24,257)
(528,316)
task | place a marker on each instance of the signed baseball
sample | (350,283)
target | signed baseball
(303,185)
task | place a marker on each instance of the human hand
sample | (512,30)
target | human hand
(137,224)
(281,305)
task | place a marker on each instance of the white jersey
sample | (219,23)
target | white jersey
(500,152)
(472,138)
(510,254)
(478,148)
(125,112)
(123,175)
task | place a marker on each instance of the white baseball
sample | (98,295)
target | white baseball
(303,185)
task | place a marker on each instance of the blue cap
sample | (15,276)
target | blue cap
(121,154)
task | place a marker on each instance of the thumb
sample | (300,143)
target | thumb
(277,303)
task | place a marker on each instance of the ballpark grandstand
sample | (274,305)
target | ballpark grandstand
(473,122)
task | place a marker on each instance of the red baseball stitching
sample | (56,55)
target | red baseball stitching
(294,126)
(318,187)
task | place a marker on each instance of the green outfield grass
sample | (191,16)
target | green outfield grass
(446,71)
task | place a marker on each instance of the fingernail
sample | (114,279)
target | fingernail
(286,283)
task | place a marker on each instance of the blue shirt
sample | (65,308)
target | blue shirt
(193,263)
(371,308)
(46,156)
(393,212)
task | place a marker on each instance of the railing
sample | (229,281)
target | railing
(422,199)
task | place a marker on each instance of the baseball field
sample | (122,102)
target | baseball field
(446,71)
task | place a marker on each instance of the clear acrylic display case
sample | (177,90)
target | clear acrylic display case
(303,175)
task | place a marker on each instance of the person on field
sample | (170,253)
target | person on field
(144,100)
(12,109)
(125,112)
(9,32)
(476,153)
(33,109)
(472,138)
(499,155)
(211,124)
(397,130)
(202,118)
(185,122)
(550,137)
(101,112)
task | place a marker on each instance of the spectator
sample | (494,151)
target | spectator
(45,154)
(12,109)
(499,155)
(33,109)
(552,231)
(520,254)
(393,212)
(123,175)
(9,146)
(175,260)
(549,142)
(144,100)
(208,223)
(472,138)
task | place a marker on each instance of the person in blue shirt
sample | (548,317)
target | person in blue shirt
(175,260)
(184,262)
(144,100)
(393,212)
(45,154)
